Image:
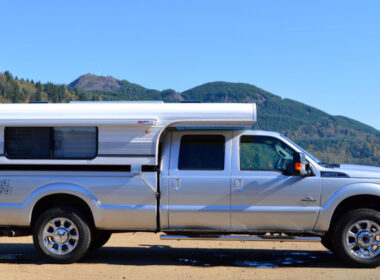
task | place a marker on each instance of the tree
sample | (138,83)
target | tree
(8,76)
(15,95)
(38,96)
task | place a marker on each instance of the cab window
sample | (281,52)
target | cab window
(265,153)
(201,152)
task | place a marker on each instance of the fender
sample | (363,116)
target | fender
(327,210)
(62,188)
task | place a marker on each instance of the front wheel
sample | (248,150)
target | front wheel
(61,235)
(357,236)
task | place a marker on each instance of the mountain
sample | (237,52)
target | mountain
(331,138)
(91,82)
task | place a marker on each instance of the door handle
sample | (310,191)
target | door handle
(176,183)
(238,185)
(308,199)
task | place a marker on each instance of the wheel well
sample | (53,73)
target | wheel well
(62,200)
(355,202)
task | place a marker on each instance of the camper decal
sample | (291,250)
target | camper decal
(5,188)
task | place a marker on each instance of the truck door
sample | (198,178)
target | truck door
(263,197)
(199,181)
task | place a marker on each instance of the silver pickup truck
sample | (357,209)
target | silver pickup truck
(71,174)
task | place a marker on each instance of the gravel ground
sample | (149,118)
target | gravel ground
(144,256)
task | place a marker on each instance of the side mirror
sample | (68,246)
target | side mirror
(300,165)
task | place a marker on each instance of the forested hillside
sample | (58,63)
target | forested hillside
(331,138)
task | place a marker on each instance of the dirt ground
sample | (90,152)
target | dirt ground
(144,256)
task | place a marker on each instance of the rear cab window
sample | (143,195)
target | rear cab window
(202,152)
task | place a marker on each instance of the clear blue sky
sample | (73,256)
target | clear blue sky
(323,53)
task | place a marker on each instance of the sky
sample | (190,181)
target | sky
(322,53)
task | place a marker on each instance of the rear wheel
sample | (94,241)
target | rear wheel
(357,236)
(61,235)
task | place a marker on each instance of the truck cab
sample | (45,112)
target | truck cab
(236,181)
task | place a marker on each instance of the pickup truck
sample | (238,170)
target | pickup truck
(72,174)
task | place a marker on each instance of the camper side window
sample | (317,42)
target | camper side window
(50,142)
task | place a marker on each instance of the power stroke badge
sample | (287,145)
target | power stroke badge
(5,188)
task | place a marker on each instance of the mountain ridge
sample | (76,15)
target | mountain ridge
(332,138)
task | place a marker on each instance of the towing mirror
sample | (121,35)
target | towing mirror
(300,165)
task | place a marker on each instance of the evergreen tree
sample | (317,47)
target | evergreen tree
(38,94)
(15,96)
(8,76)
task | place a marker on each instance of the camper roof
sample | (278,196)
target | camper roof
(128,114)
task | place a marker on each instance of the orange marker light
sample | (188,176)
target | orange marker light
(147,131)
(298,166)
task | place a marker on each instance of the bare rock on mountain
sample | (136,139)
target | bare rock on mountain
(90,82)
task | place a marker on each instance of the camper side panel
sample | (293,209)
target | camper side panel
(127,141)
(119,199)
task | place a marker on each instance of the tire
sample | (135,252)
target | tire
(326,241)
(356,234)
(61,235)
(99,238)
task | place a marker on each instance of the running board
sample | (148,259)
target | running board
(241,238)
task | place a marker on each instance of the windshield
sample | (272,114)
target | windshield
(305,152)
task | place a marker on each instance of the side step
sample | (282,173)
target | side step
(241,238)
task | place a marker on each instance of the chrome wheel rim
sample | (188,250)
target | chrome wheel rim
(60,236)
(363,239)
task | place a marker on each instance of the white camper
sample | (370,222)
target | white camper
(128,132)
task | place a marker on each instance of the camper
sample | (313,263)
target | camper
(72,174)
